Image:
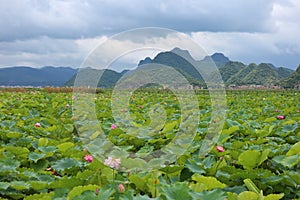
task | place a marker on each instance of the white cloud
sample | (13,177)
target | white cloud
(74,19)
(51,32)
(47,51)
(280,46)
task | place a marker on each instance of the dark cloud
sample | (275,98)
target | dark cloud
(63,32)
(75,19)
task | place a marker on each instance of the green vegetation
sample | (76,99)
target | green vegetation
(232,72)
(237,79)
(43,157)
(229,70)
(184,64)
(27,76)
(262,74)
(105,78)
(294,80)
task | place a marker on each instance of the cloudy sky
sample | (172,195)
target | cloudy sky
(64,32)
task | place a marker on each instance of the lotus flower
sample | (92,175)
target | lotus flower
(280,117)
(220,149)
(97,191)
(113,126)
(113,162)
(88,158)
(121,188)
(37,125)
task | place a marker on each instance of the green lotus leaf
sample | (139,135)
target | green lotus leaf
(4,185)
(44,196)
(76,191)
(216,194)
(7,164)
(209,182)
(14,135)
(289,127)
(36,156)
(43,142)
(65,163)
(295,149)
(274,196)
(19,185)
(289,161)
(38,185)
(176,191)
(248,195)
(65,146)
(249,159)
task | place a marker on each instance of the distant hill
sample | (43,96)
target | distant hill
(284,72)
(230,69)
(262,74)
(238,78)
(232,72)
(180,60)
(293,80)
(28,76)
(219,59)
(88,76)
(183,62)
(238,74)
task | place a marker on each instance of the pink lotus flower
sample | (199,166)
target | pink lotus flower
(280,117)
(121,188)
(113,126)
(37,125)
(113,162)
(220,149)
(88,158)
(97,191)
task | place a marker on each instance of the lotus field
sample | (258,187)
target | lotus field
(256,156)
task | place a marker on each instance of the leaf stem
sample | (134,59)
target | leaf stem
(113,175)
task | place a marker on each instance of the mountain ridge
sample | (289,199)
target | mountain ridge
(37,77)
(234,73)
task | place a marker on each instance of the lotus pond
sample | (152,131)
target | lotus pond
(257,155)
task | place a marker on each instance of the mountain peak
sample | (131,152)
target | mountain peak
(218,55)
(183,53)
(219,58)
(177,50)
(147,60)
(298,69)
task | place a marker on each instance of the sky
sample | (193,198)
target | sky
(65,32)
